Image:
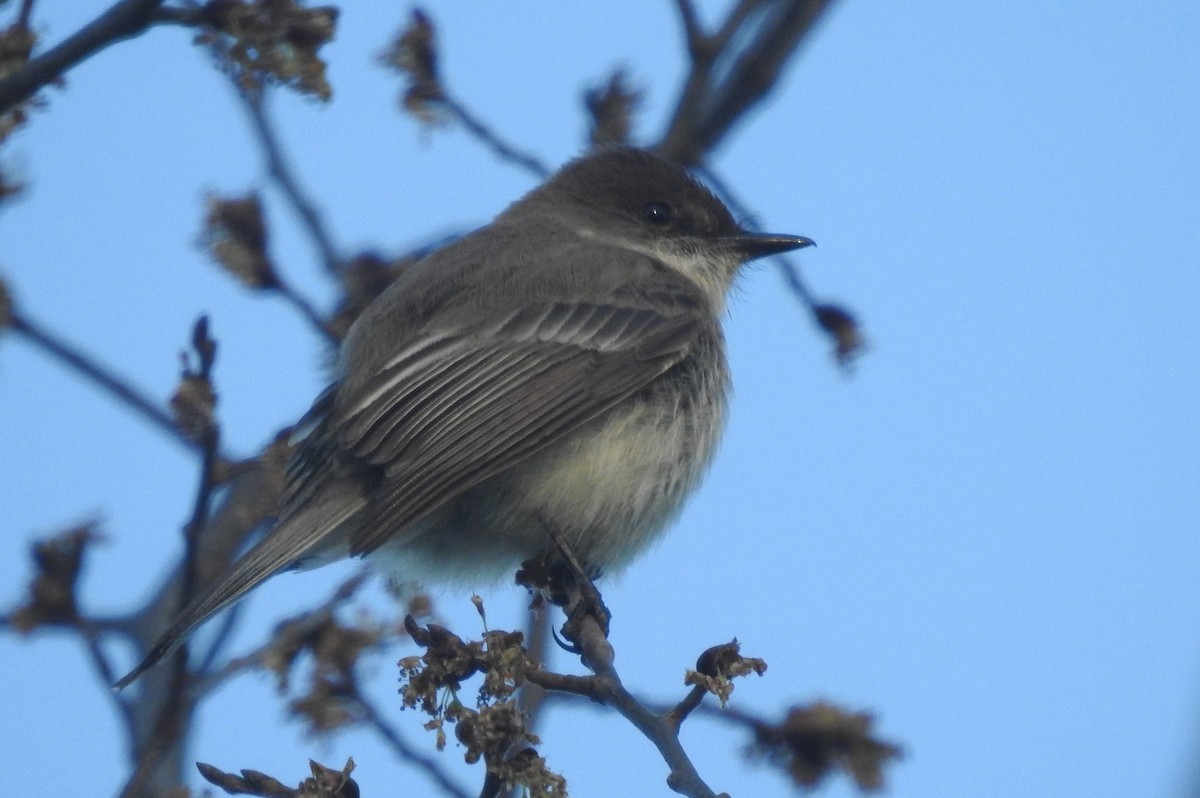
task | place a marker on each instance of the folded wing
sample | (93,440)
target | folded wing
(451,408)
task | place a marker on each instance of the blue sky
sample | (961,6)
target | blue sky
(988,536)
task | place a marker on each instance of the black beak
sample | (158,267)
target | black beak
(759,245)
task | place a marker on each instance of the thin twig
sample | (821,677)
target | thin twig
(24,14)
(278,168)
(537,635)
(787,267)
(91,641)
(306,308)
(563,682)
(587,631)
(90,633)
(229,621)
(838,324)
(759,66)
(503,149)
(790,273)
(175,711)
(737,17)
(751,48)
(121,21)
(207,682)
(192,17)
(87,367)
(406,752)
(697,41)
(192,533)
(677,714)
(683,777)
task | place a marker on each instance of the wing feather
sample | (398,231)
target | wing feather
(442,437)
(453,407)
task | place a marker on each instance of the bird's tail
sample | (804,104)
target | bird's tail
(294,537)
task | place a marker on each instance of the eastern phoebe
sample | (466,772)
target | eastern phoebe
(561,368)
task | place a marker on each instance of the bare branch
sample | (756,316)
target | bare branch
(606,687)
(92,371)
(532,697)
(90,632)
(430,766)
(123,20)
(289,186)
(813,742)
(191,17)
(839,324)
(766,33)
(611,107)
(193,404)
(209,435)
(476,127)
(53,603)
(587,629)
(299,627)
(733,22)
(324,782)
(788,269)
(414,54)
(235,234)
(679,713)
(306,309)
(696,40)
(24,14)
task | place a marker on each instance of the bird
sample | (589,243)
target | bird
(561,370)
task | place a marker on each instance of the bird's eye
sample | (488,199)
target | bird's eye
(658,213)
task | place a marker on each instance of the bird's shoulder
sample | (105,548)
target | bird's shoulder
(501,282)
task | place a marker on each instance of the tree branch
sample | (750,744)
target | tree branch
(838,324)
(696,40)
(787,267)
(97,374)
(587,628)
(414,53)
(492,140)
(765,33)
(303,207)
(122,21)
(24,14)
(406,752)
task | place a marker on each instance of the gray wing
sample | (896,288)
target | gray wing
(447,411)
(453,410)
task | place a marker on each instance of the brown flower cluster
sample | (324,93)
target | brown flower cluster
(719,666)
(814,741)
(235,235)
(270,41)
(611,107)
(16,45)
(414,54)
(495,730)
(59,561)
(331,697)
(323,783)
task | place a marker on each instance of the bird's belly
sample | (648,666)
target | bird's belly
(610,489)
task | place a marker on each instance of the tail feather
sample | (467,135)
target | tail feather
(292,539)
